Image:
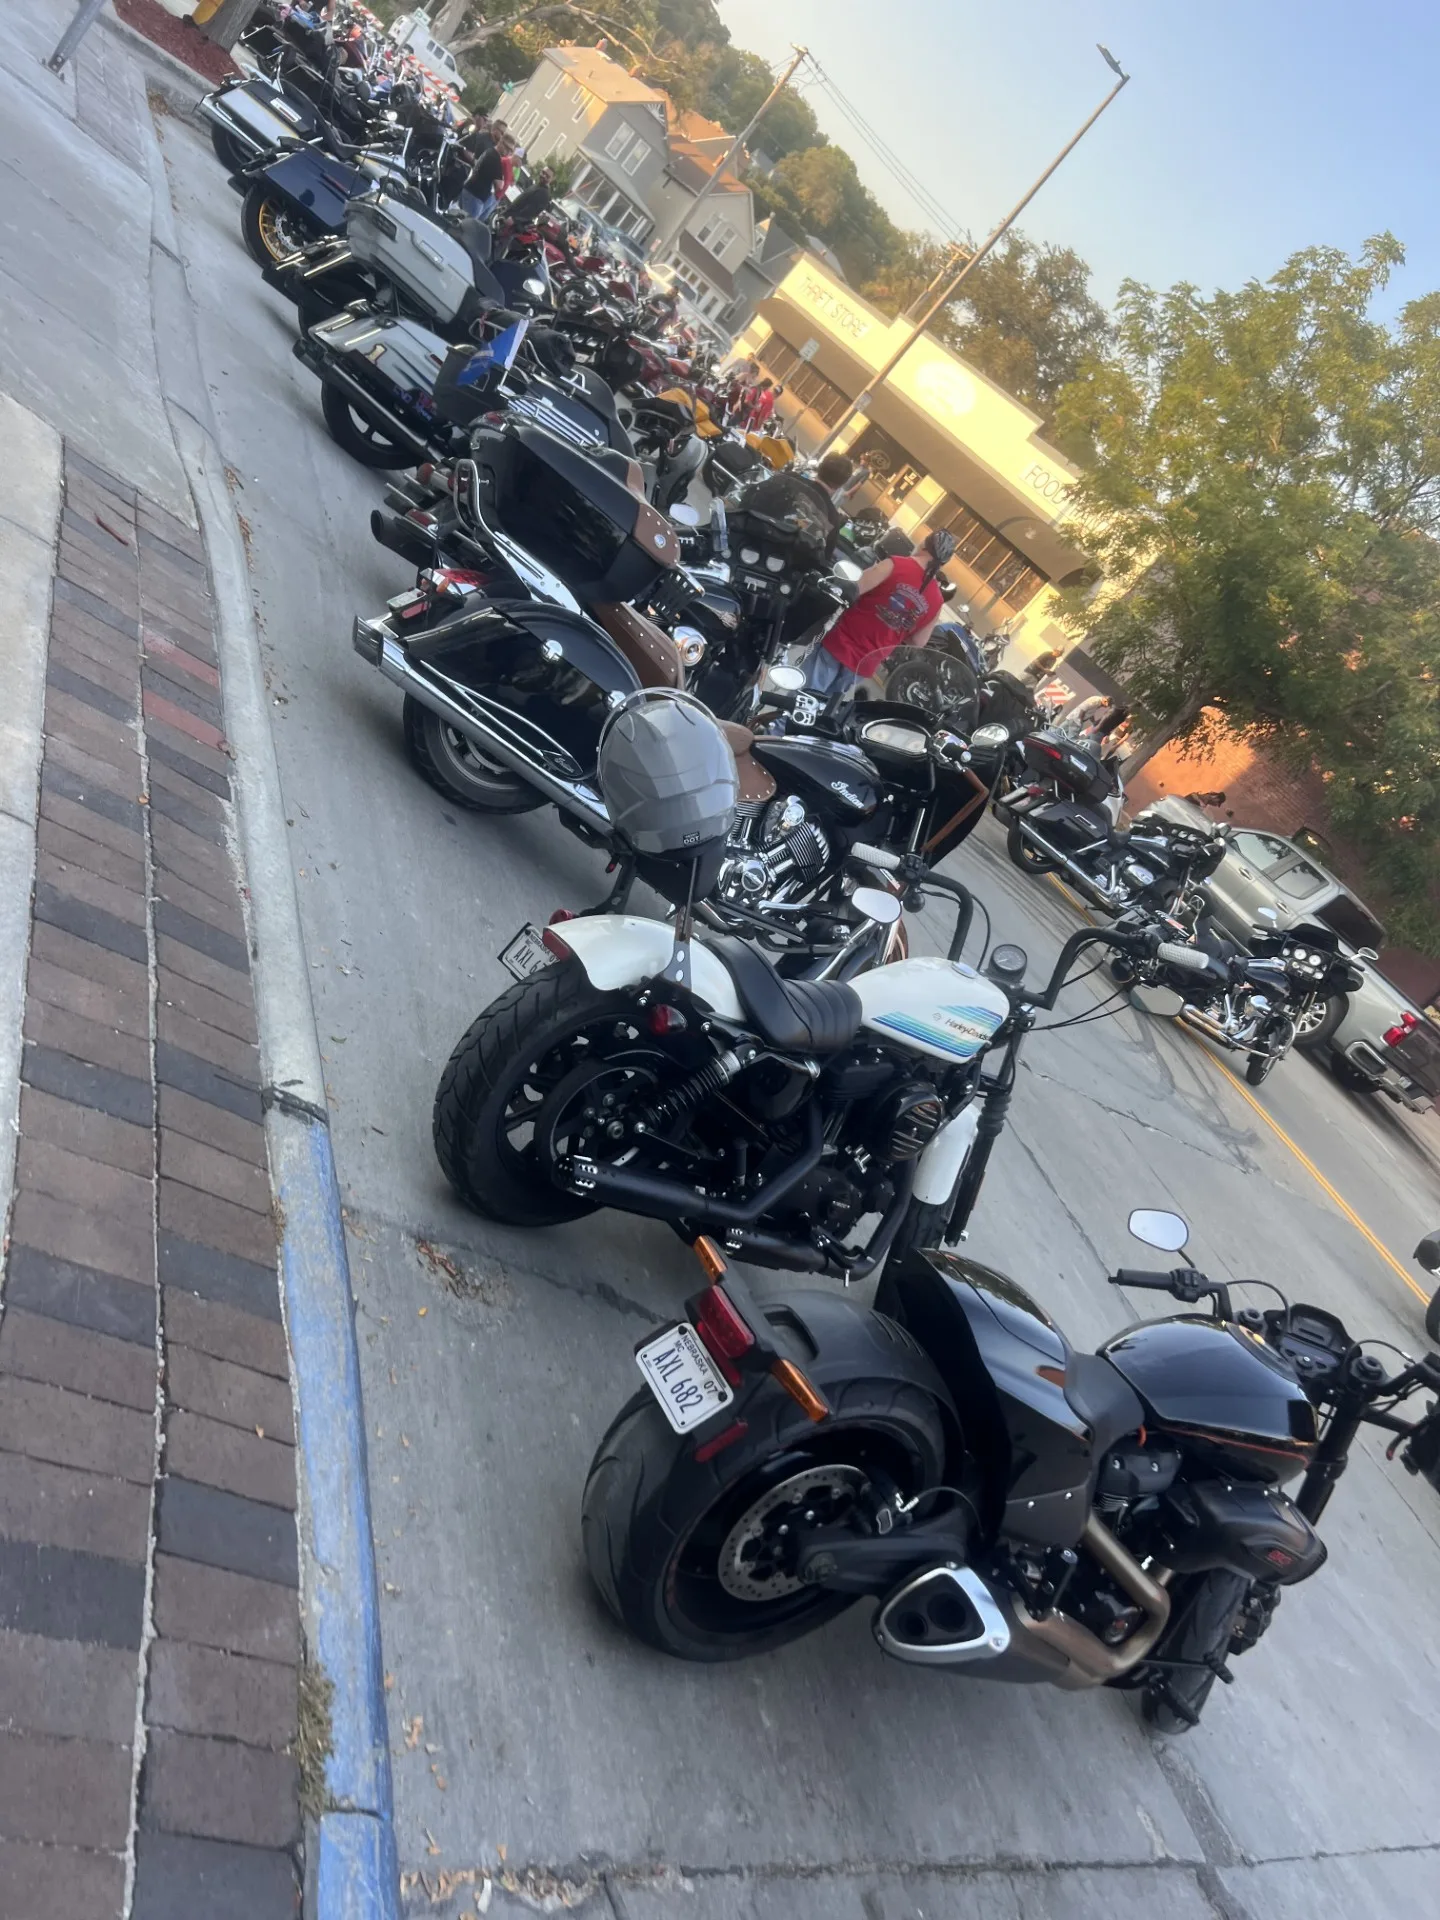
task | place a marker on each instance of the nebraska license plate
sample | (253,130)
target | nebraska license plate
(682,1377)
(526,953)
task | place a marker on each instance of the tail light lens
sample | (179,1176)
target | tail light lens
(724,1333)
(1402,1029)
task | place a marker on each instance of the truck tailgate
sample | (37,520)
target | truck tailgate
(1418,1055)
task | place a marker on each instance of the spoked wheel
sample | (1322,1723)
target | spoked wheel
(702,1561)
(456,767)
(1029,859)
(499,1079)
(268,225)
(1261,1065)
(1199,1639)
(1319,1019)
(359,436)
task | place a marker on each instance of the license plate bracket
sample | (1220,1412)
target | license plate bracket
(526,953)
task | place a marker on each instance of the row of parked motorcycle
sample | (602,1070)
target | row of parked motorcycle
(739,1042)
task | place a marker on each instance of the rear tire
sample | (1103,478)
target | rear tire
(228,150)
(354,433)
(268,225)
(655,1524)
(1350,1077)
(1026,857)
(1175,1699)
(457,769)
(312,305)
(1432,1318)
(487,1080)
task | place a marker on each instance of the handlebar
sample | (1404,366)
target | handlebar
(1186,959)
(915,872)
(1141,1277)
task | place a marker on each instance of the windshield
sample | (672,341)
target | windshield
(1355,924)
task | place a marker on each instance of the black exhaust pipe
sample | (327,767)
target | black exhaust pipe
(402,537)
(661,1199)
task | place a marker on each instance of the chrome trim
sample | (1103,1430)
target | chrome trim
(497,731)
(549,586)
(989,1643)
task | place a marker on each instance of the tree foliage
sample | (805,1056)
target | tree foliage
(1265,500)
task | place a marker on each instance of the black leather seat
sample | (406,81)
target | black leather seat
(800,1016)
(1103,1398)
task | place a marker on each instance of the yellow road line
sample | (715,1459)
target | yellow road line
(1275,1127)
(1315,1173)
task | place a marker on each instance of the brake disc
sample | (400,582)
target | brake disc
(759,1550)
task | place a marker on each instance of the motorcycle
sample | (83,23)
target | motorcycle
(1251,1002)
(1428,1255)
(1062,811)
(1018,1509)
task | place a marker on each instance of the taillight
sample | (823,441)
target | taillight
(663,1020)
(1403,1028)
(552,943)
(708,1449)
(723,1331)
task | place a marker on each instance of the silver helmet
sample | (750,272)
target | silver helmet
(668,778)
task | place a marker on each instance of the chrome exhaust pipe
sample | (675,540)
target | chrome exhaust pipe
(381,649)
(402,536)
(942,1617)
(1212,1029)
(1087,884)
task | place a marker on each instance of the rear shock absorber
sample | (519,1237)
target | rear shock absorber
(687,1096)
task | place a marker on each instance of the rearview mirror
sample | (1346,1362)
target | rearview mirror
(684,515)
(847,570)
(785,680)
(1167,1231)
(876,904)
(1366,953)
(1428,1253)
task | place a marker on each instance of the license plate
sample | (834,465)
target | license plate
(402,602)
(526,953)
(682,1377)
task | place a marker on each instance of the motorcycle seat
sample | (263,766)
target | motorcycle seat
(757,783)
(648,648)
(798,1016)
(1098,1392)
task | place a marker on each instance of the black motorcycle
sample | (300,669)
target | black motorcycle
(1019,1510)
(1428,1255)
(1060,811)
(1250,1001)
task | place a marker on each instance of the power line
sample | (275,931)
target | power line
(904,175)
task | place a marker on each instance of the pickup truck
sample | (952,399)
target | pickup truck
(1377,1040)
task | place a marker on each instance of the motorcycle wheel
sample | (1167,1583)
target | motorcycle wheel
(268,227)
(1026,857)
(496,1082)
(691,1560)
(1432,1318)
(228,150)
(1259,1067)
(312,306)
(354,433)
(456,767)
(1173,1701)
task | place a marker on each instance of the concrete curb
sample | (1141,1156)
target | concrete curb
(352,1869)
(30,479)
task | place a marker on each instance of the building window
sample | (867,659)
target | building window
(618,141)
(636,156)
(814,392)
(582,101)
(558,81)
(532,139)
(989,556)
(583,175)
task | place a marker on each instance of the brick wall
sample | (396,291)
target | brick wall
(1259,792)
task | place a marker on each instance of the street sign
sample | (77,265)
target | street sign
(809,350)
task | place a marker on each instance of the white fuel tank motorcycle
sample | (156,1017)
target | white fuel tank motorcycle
(646,1069)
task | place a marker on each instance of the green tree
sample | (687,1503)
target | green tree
(1264,504)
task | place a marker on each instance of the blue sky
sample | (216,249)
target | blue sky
(1250,128)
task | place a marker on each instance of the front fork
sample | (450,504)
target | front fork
(995,1097)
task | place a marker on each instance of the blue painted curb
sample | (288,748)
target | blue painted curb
(356,1876)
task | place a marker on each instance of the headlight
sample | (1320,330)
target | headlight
(535,288)
(992,736)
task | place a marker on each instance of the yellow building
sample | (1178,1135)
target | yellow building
(946,446)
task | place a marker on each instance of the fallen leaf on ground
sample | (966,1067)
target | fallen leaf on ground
(413,1729)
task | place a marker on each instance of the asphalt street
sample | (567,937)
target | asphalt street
(823,1780)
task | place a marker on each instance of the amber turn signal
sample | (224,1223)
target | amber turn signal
(710,1258)
(810,1400)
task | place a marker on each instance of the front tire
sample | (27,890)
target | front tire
(1174,1700)
(357,436)
(456,768)
(1316,1027)
(1432,1318)
(690,1558)
(1029,859)
(495,1083)
(1259,1067)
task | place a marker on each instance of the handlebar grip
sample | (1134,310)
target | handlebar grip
(1188,959)
(875,857)
(1141,1277)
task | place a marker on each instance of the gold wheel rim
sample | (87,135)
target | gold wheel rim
(268,221)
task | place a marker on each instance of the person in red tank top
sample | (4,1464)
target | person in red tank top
(897,602)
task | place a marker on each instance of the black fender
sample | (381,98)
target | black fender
(1070,823)
(316,184)
(504,650)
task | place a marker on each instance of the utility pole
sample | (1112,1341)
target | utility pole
(954,254)
(950,286)
(662,241)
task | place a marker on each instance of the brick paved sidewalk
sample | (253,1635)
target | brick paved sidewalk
(147,1476)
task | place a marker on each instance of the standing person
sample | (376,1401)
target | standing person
(527,206)
(897,602)
(762,405)
(477,196)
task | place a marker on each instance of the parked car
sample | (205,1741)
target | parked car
(1376,1039)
